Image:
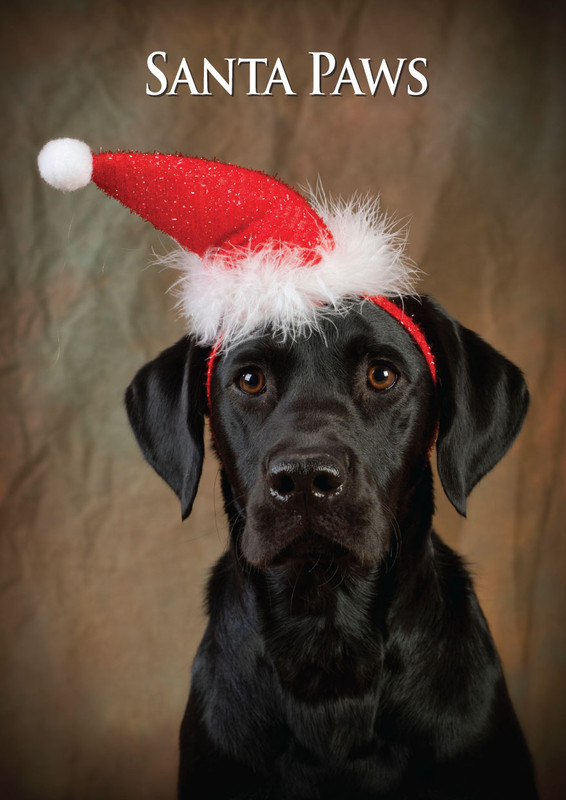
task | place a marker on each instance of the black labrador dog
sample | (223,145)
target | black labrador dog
(346,655)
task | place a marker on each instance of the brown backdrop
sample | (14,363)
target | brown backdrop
(100,583)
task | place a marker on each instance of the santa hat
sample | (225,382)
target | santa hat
(253,253)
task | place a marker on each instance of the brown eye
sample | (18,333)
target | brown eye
(251,381)
(381,377)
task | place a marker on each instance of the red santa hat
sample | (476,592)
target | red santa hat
(253,253)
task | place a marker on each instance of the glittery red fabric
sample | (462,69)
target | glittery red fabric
(411,327)
(209,369)
(204,204)
(420,340)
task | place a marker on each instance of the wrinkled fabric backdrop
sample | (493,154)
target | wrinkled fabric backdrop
(101,584)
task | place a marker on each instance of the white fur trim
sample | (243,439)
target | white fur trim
(272,287)
(65,164)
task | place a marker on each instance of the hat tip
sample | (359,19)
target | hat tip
(65,164)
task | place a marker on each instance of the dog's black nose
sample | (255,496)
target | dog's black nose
(314,476)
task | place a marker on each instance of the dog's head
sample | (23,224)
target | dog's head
(323,440)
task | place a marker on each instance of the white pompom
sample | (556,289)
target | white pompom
(65,164)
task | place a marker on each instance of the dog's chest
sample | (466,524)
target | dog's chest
(328,733)
(317,631)
(310,665)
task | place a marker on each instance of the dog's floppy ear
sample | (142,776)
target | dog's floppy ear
(482,401)
(166,403)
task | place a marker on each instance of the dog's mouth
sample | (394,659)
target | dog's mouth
(312,548)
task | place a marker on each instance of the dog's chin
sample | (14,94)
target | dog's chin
(304,549)
(312,548)
(264,542)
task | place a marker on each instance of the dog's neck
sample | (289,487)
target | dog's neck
(318,626)
(324,624)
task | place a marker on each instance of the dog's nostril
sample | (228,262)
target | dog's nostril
(285,484)
(326,482)
(281,483)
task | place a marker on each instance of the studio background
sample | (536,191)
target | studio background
(100,583)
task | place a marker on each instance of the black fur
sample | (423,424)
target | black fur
(346,655)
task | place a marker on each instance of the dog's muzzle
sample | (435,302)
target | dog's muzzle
(311,504)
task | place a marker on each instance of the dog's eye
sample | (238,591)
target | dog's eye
(251,381)
(381,377)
